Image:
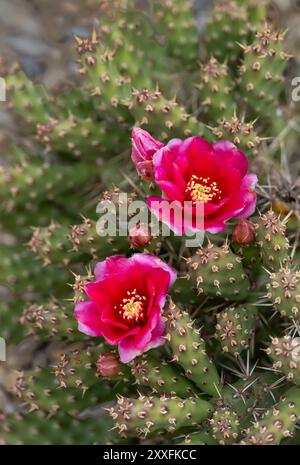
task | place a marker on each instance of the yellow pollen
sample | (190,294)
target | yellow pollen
(202,189)
(132,307)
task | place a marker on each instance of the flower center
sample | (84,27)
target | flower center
(202,189)
(132,306)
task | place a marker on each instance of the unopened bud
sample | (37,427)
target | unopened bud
(144,146)
(108,366)
(139,236)
(243,232)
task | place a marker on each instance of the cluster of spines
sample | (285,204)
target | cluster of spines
(201,438)
(224,426)
(162,116)
(285,354)
(238,131)
(235,327)
(250,395)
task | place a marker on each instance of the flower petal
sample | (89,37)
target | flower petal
(88,316)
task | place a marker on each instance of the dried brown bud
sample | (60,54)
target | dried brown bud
(108,366)
(243,232)
(140,236)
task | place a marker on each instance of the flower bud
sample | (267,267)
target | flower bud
(108,366)
(243,232)
(139,236)
(144,147)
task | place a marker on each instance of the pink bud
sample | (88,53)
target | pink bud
(243,232)
(139,236)
(144,146)
(108,366)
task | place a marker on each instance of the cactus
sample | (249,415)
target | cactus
(146,415)
(177,21)
(161,377)
(238,131)
(25,95)
(41,431)
(227,25)
(217,271)
(284,293)
(261,73)
(188,362)
(215,88)
(232,22)
(49,319)
(277,423)
(189,351)
(234,328)
(52,243)
(272,240)
(284,353)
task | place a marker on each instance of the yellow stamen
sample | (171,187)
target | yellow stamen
(132,307)
(202,189)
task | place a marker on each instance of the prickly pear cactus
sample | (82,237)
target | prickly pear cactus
(139,335)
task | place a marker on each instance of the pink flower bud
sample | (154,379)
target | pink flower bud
(144,146)
(243,232)
(139,236)
(108,366)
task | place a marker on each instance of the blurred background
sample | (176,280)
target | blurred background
(38,34)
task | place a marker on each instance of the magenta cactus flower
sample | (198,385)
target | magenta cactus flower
(126,303)
(194,172)
(144,147)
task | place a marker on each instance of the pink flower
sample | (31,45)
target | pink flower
(212,176)
(144,147)
(126,302)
